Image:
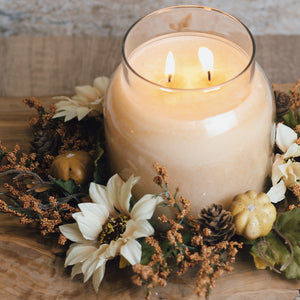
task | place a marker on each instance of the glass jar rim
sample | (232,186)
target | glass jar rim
(206,89)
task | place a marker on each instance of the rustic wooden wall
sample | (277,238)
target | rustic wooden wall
(35,66)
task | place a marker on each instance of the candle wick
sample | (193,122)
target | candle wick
(169,78)
(208,75)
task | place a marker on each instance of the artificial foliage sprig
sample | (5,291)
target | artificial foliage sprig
(181,247)
(29,191)
(30,197)
(280,249)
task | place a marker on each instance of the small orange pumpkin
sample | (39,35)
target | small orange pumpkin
(77,165)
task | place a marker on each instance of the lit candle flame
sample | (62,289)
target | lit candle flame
(206,58)
(170,66)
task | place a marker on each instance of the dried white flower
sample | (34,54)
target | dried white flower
(285,171)
(277,192)
(107,228)
(286,141)
(284,167)
(87,99)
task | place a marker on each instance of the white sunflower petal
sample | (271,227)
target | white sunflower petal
(72,232)
(277,192)
(94,261)
(114,248)
(70,115)
(59,114)
(61,98)
(76,270)
(125,194)
(144,229)
(79,100)
(66,107)
(98,277)
(97,105)
(96,210)
(99,195)
(60,108)
(285,137)
(138,229)
(88,268)
(97,101)
(132,251)
(62,104)
(90,219)
(82,112)
(113,190)
(145,207)
(88,92)
(78,253)
(101,84)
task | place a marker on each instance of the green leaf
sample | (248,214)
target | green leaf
(288,224)
(166,246)
(99,161)
(147,251)
(69,186)
(186,237)
(2,152)
(275,249)
(290,119)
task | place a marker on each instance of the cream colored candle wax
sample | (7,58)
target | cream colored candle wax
(212,135)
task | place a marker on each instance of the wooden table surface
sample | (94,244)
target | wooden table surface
(31,267)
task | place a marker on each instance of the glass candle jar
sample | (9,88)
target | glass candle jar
(207,117)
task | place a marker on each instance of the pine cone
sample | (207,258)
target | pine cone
(216,224)
(45,141)
(283,104)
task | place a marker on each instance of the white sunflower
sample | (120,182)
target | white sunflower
(87,99)
(107,228)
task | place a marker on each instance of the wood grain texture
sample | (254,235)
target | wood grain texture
(39,65)
(31,266)
(54,65)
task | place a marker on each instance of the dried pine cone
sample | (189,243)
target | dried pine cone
(283,104)
(45,141)
(216,224)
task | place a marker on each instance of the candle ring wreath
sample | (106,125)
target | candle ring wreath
(63,188)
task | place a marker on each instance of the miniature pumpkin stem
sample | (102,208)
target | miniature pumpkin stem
(286,241)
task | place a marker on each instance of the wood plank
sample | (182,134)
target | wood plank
(54,65)
(31,266)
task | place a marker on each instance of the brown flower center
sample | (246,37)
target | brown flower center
(113,229)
